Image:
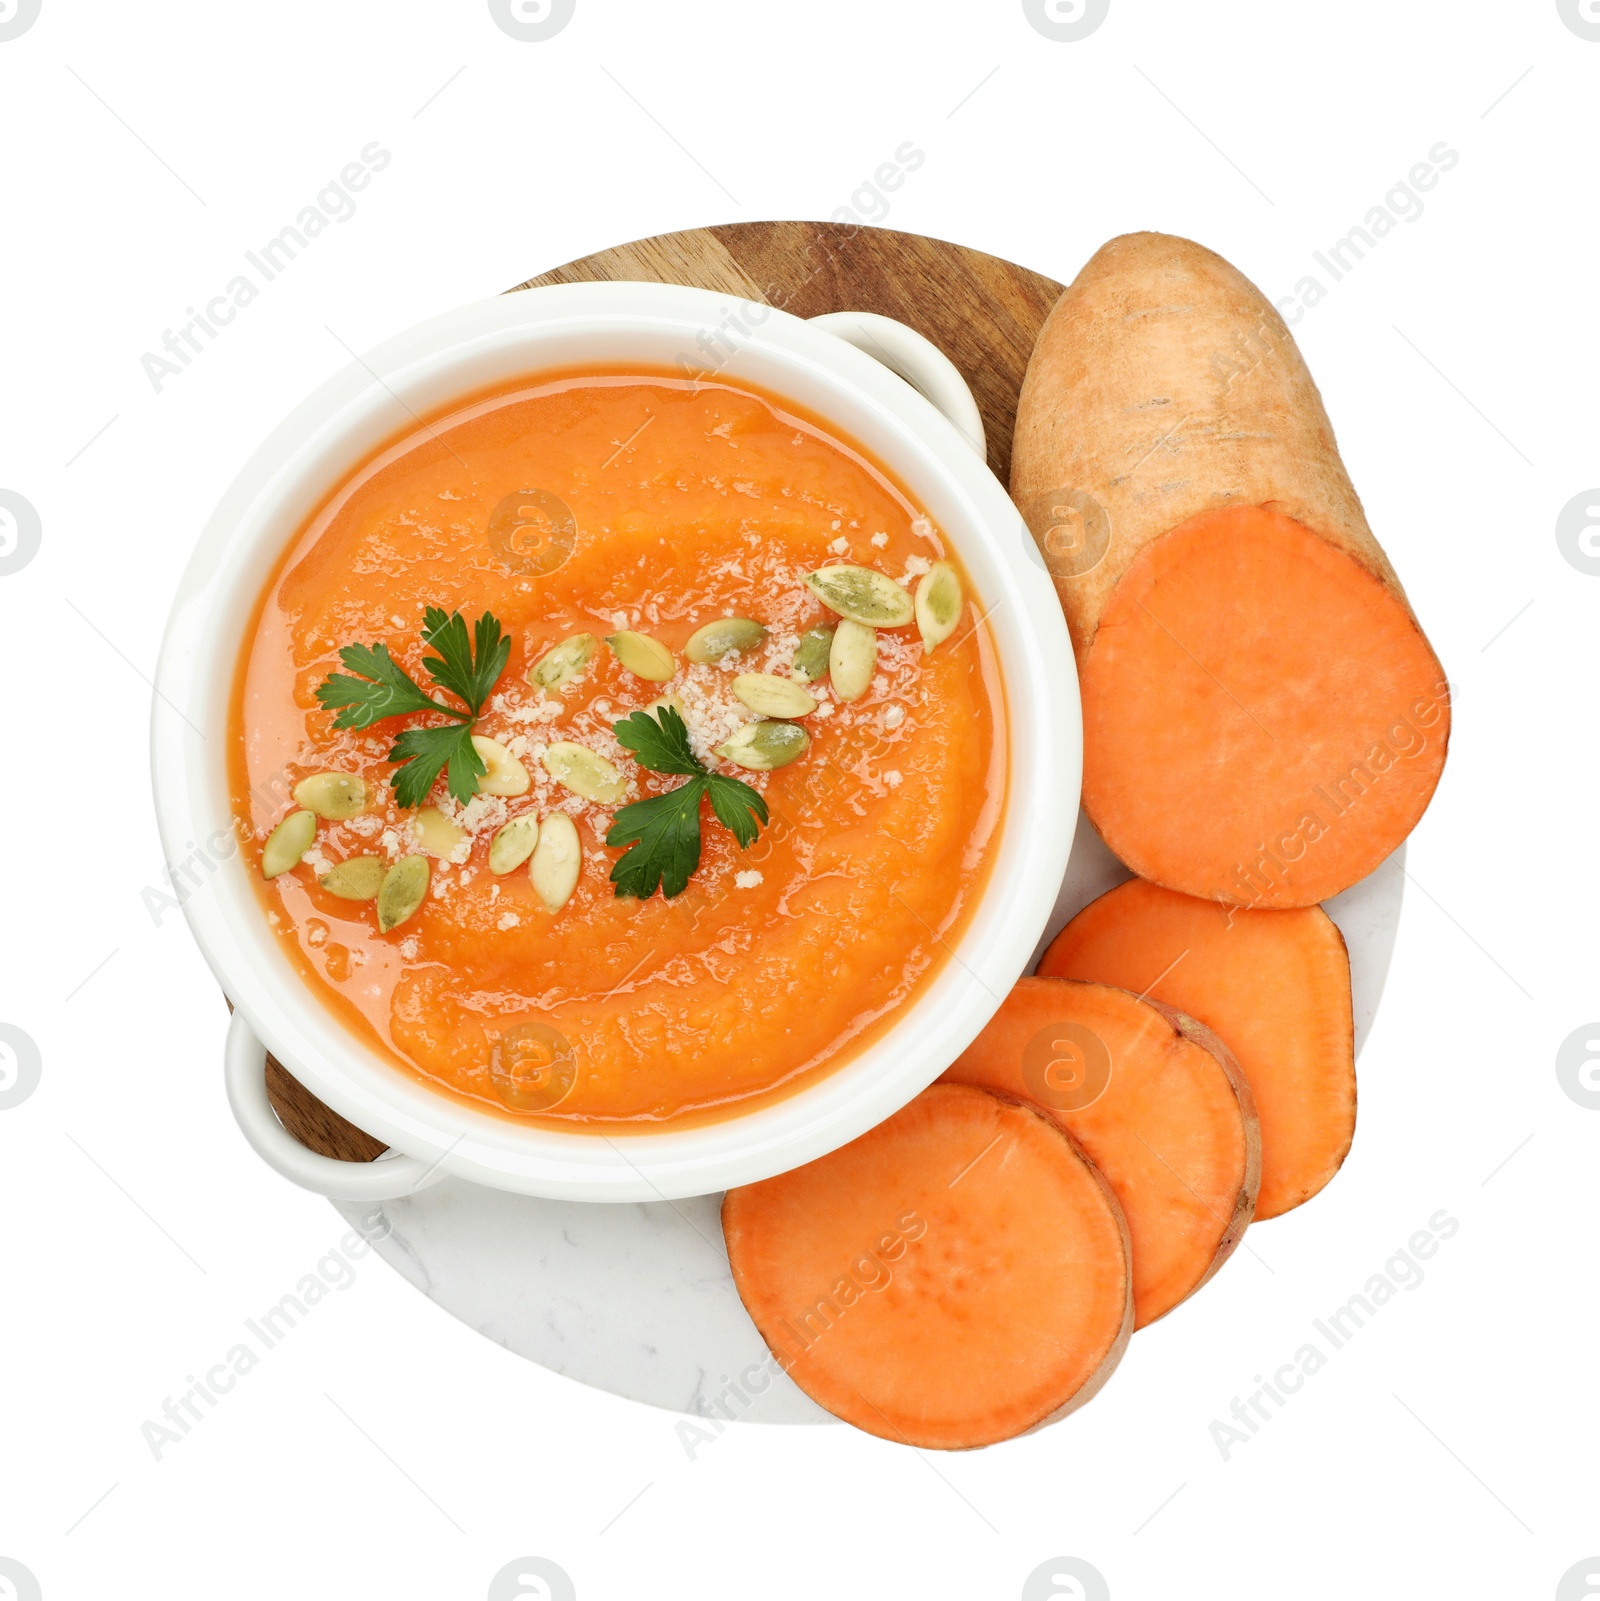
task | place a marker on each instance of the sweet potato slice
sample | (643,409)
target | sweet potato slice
(1274,984)
(958,1275)
(1264,721)
(1157,1103)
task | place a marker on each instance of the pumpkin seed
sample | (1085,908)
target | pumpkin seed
(335,796)
(863,595)
(811,654)
(556,861)
(436,834)
(403,890)
(852,659)
(773,696)
(654,708)
(564,662)
(763,746)
(641,655)
(357,879)
(505,775)
(585,773)
(287,843)
(938,605)
(513,843)
(712,641)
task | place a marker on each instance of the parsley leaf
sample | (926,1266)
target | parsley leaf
(468,667)
(737,807)
(661,744)
(392,691)
(454,668)
(425,753)
(663,833)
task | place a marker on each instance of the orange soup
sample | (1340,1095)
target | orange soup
(604,520)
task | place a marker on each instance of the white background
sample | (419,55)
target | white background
(385,1449)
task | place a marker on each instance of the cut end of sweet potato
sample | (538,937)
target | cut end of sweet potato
(1274,984)
(957,1276)
(1263,721)
(1158,1105)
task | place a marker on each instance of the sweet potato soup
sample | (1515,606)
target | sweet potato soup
(618,750)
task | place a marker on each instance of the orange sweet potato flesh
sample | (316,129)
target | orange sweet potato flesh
(1274,984)
(957,1276)
(1262,721)
(1158,1105)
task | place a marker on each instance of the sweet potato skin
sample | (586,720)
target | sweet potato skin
(1167,423)
(1165,384)
(1119,1347)
(1244,1207)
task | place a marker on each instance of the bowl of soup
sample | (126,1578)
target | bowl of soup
(631,740)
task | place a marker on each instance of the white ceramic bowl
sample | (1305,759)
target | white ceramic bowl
(934,452)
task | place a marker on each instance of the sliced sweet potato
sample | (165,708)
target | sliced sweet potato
(958,1275)
(1157,1103)
(1274,984)
(1264,721)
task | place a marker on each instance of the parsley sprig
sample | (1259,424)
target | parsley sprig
(467,668)
(663,833)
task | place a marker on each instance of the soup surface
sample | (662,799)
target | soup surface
(594,504)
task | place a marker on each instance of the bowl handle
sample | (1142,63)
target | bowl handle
(918,360)
(245,1073)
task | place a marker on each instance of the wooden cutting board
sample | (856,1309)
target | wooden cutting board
(984,313)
